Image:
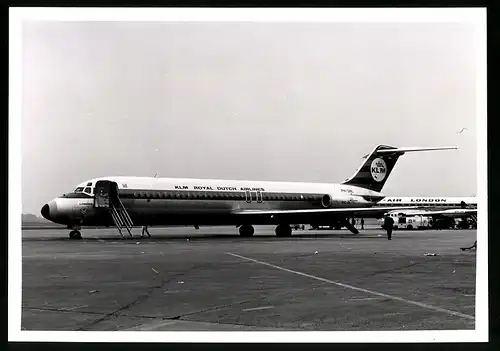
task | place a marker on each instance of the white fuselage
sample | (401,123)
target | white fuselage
(165,201)
(446,206)
(434,202)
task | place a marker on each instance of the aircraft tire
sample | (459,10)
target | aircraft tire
(75,234)
(247,230)
(283,231)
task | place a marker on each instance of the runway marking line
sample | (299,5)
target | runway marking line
(397,298)
(257,308)
(364,299)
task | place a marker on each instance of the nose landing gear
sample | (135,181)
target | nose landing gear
(75,234)
(283,231)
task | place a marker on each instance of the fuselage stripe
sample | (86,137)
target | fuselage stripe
(217,195)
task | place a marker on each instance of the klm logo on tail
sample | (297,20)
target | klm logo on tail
(375,169)
(378,169)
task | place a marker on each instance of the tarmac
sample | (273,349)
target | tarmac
(214,280)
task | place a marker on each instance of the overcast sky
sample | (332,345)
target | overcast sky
(253,101)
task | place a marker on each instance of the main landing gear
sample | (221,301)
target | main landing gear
(283,230)
(246,230)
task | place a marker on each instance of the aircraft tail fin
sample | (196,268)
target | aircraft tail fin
(378,165)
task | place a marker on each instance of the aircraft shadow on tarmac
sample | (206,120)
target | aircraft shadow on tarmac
(215,236)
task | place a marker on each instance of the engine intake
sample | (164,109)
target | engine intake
(326,200)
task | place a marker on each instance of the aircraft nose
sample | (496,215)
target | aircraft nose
(49,211)
(46,211)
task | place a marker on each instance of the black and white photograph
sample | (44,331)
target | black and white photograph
(247,175)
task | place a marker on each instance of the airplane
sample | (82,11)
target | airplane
(124,201)
(439,208)
(446,206)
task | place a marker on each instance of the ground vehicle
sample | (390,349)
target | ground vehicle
(402,221)
(414,222)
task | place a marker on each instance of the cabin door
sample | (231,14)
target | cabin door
(102,192)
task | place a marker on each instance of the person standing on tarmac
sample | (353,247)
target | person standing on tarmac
(388,225)
(145,229)
(362,223)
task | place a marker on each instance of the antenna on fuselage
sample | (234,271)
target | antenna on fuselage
(155,175)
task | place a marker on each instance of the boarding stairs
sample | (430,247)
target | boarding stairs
(121,217)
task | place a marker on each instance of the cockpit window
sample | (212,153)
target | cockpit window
(87,190)
(79,190)
(89,184)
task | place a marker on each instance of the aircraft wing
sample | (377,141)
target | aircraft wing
(450,212)
(326,212)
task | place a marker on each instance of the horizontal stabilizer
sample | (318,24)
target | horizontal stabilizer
(411,149)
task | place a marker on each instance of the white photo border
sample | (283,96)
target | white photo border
(474,16)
